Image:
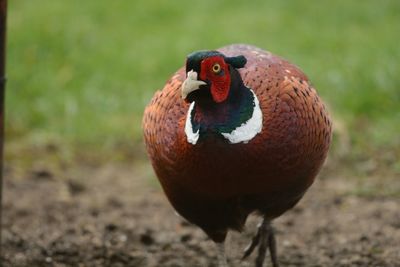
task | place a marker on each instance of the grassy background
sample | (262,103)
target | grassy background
(81,72)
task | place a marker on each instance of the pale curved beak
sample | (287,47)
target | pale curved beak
(191,84)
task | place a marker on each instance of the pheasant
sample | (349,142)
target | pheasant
(234,132)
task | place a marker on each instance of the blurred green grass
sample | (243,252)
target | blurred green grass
(81,72)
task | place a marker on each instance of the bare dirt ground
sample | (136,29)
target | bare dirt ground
(116,215)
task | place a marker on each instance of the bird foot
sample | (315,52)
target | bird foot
(253,244)
(264,238)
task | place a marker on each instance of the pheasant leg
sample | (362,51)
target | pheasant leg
(264,238)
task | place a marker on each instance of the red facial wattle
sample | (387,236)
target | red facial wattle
(220,81)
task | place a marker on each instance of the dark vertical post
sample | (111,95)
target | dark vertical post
(3,16)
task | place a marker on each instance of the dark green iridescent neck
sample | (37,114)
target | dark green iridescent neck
(224,117)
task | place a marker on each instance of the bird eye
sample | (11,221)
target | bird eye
(216,68)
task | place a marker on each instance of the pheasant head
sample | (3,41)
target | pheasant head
(211,72)
(221,105)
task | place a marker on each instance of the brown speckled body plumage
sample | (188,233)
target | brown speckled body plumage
(216,185)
